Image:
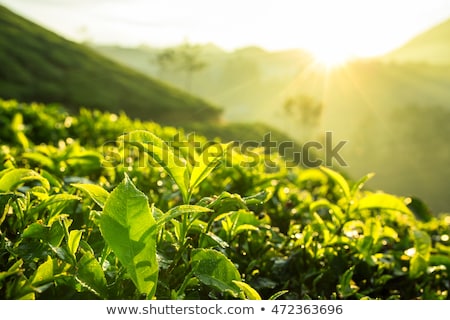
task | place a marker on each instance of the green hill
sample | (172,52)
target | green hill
(432,46)
(38,65)
(386,109)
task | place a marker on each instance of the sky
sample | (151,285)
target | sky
(328,28)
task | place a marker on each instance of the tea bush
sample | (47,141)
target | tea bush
(99,206)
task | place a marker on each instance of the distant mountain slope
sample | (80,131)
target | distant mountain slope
(244,81)
(391,113)
(38,65)
(432,46)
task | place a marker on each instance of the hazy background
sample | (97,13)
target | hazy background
(351,27)
(374,73)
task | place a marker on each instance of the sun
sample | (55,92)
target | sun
(330,57)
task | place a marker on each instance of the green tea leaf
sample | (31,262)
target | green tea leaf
(214,269)
(90,274)
(12,178)
(36,230)
(373,228)
(360,183)
(422,246)
(333,209)
(56,233)
(205,164)
(420,209)
(383,201)
(339,180)
(129,229)
(4,200)
(278,294)
(14,269)
(439,259)
(39,158)
(180,210)
(96,192)
(249,292)
(54,204)
(74,241)
(155,147)
(422,243)
(44,273)
(417,266)
(346,286)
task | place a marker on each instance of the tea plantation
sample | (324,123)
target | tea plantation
(100,206)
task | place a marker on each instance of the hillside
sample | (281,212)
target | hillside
(38,65)
(248,82)
(386,110)
(432,46)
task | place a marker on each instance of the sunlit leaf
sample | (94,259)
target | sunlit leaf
(248,291)
(39,158)
(4,200)
(12,178)
(422,246)
(128,227)
(383,201)
(372,227)
(155,147)
(346,286)
(360,183)
(339,180)
(44,273)
(278,294)
(206,163)
(417,266)
(422,243)
(180,210)
(96,192)
(215,269)
(74,241)
(90,274)
(333,209)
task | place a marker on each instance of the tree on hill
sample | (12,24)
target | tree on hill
(305,111)
(185,58)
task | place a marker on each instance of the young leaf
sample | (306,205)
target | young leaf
(4,200)
(11,178)
(373,228)
(16,268)
(54,204)
(249,292)
(339,180)
(97,193)
(74,241)
(90,274)
(44,273)
(180,210)
(205,164)
(214,269)
(155,147)
(422,244)
(346,286)
(278,294)
(333,209)
(417,266)
(129,230)
(383,201)
(360,183)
